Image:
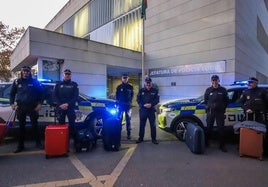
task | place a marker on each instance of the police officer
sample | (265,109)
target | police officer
(66,94)
(29,98)
(147,99)
(124,96)
(216,100)
(254,101)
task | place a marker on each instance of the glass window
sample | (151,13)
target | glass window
(115,22)
(5,90)
(81,22)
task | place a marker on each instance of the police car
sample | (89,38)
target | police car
(174,115)
(89,109)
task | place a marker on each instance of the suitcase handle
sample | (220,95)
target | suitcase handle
(263,117)
(12,117)
(247,116)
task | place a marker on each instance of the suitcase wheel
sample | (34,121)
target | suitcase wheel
(78,150)
(115,148)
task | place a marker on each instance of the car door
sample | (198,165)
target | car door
(234,112)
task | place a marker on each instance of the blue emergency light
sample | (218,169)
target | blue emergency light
(241,83)
(44,80)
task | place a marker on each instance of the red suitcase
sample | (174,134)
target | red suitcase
(4,126)
(3,130)
(56,140)
(251,143)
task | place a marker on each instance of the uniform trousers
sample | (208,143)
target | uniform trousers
(128,124)
(70,113)
(219,117)
(22,112)
(144,115)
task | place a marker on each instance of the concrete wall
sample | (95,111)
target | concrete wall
(88,60)
(251,58)
(180,32)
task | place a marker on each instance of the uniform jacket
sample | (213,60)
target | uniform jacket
(26,92)
(148,96)
(216,99)
(255,99)
(124,94)
(66,92)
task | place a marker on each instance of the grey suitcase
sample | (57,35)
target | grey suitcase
(195,138)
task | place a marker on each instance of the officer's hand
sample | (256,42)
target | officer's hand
(249,111)
(64,106)
(38,107)
(14,107)
(148,105)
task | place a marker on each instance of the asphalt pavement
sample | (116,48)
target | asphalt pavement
(168,164)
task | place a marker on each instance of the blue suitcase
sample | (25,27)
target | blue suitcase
(111,133)
(195,138)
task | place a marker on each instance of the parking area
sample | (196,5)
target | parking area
(168,164)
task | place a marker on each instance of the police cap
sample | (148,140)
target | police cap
(26,68)
(125,76)
(67,71)
(253,79)
(215,77)
(148,79)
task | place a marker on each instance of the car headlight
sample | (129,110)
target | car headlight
(168,109)
(113,111)
(79,116)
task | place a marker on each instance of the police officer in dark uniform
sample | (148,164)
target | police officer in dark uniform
(66,94)
(216,100)
(124,96)
(147,99)
(254,101)
(29,98)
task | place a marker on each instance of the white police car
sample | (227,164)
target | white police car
(174,115)
(91,109)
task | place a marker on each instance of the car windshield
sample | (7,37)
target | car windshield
(5,90)
(85,97)
(198,99)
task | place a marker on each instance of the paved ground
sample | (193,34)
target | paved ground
(168,164)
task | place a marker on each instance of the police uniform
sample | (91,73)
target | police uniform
(147,96)
(124,95)
(216,101)
(27,93)
(256,100)
(66,91)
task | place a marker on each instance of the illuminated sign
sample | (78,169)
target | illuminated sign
(189,69)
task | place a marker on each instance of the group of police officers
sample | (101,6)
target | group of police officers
(26,97)
(147,99)
(253,100)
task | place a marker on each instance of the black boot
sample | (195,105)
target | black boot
(139,140)
(20,148)
(223,148)
(39,145)
(128,136)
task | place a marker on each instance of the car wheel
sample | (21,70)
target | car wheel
(97,123)
(180,128)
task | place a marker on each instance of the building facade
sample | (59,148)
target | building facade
(185,42)
(188,41)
